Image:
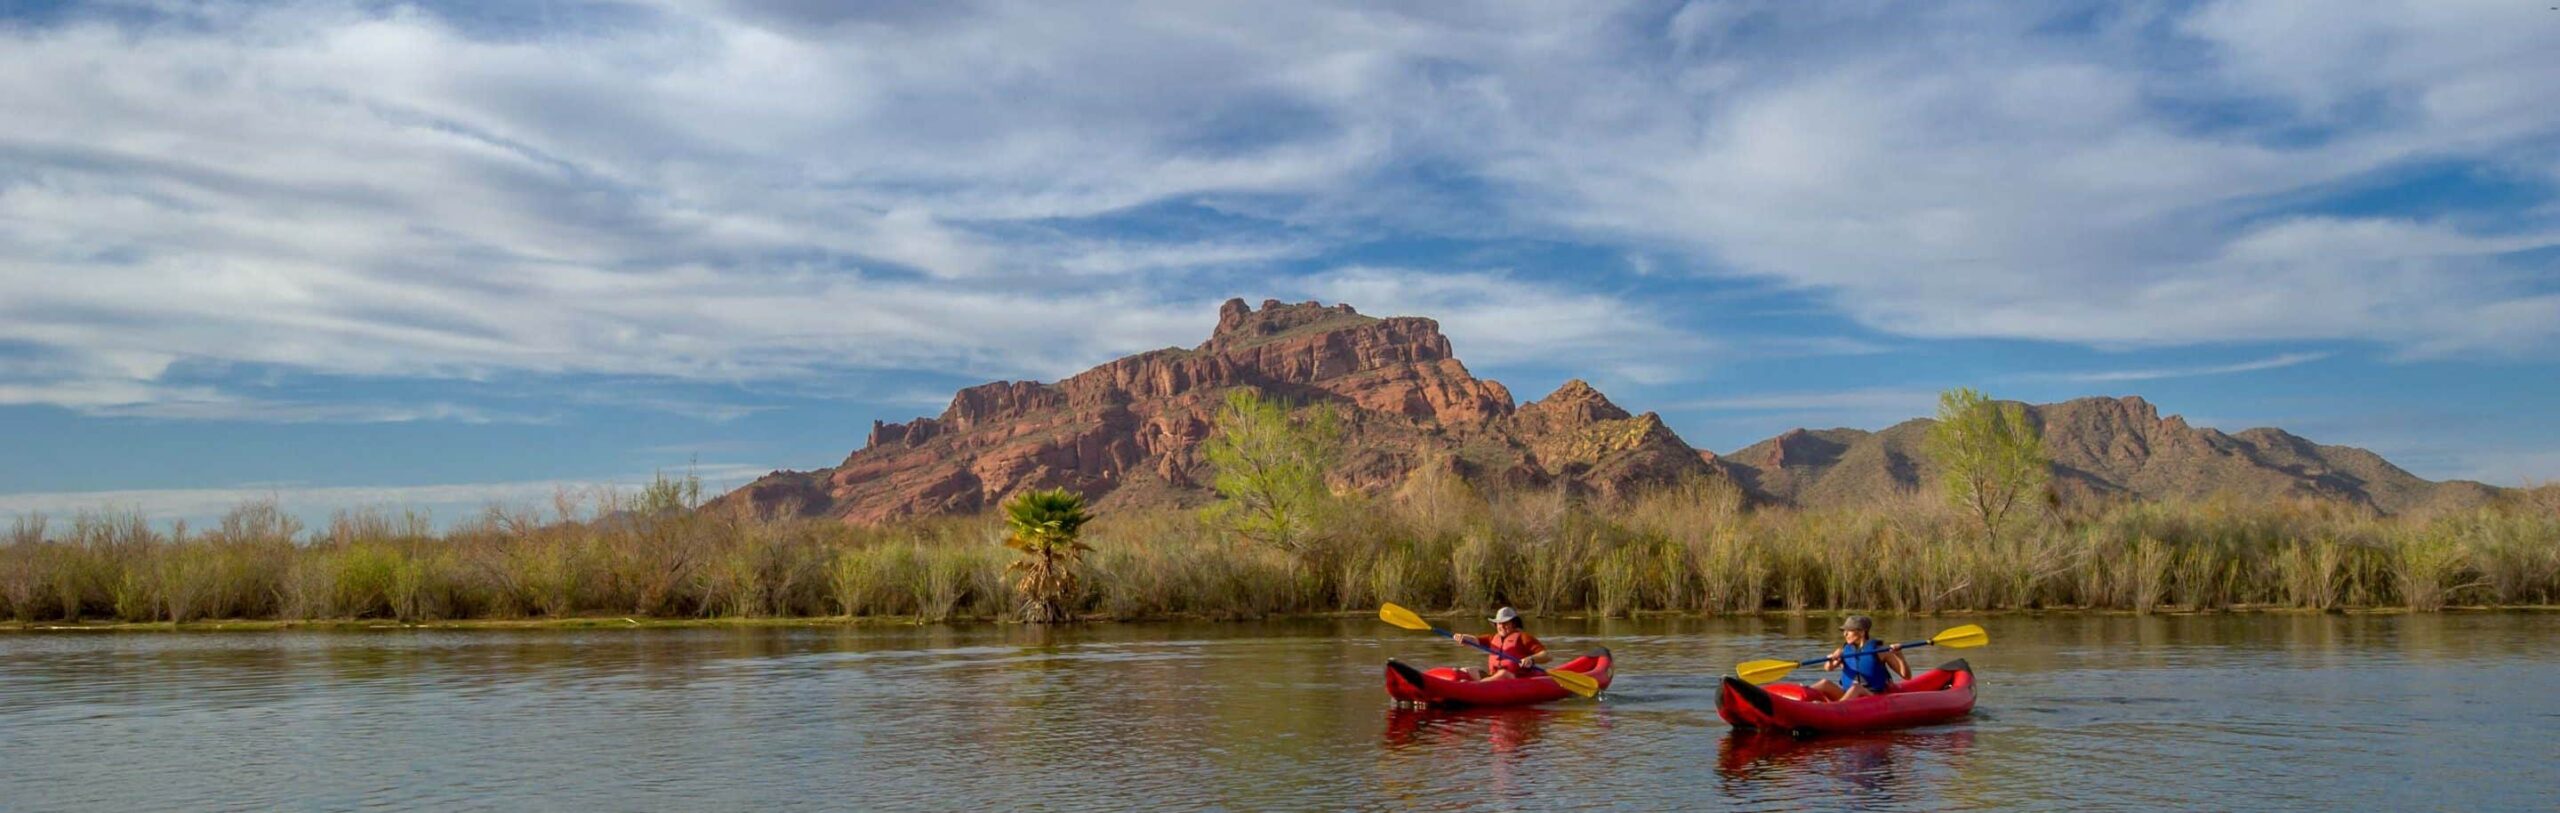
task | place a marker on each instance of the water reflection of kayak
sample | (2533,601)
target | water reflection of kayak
(1449,687)
(1752,754)
(1937,695)
(1506,729)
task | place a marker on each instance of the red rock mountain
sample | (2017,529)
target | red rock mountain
(1128,433)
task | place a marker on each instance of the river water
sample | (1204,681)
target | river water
(2455,711)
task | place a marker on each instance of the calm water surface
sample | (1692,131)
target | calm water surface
(2450,712)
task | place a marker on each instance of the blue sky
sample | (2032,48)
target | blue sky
(437,255)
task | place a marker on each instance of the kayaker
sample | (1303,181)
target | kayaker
(1862,663)
(1510,638)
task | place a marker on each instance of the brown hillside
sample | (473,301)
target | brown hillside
(2102,448)
(1128,432)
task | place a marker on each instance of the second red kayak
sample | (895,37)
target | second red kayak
(1449,687)
(1934,696)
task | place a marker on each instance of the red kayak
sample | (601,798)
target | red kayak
(1934,696)
(1446,686)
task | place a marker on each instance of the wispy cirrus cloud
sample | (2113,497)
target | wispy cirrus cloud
(1910,402)
(1503,317)
(445,502)
(2268,363)
(723,192)
(108,397)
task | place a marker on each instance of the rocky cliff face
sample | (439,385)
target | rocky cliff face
(1128,432)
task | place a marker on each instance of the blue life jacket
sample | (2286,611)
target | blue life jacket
(1860,666)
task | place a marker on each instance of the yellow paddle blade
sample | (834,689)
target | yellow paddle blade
(1759,672)
(1402,617)
(1576,682)
(1964,637)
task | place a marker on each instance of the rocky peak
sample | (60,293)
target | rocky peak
(1578,433)
(1576,403)
(1778,446)
(2128,413)
(1241,326)
(1140,419)
(998,400)
(1799,447)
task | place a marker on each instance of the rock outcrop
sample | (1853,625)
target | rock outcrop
(1128,433)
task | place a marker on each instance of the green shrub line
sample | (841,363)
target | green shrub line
(1437,544)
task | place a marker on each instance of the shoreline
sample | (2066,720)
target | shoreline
(638,623)
(1693,550)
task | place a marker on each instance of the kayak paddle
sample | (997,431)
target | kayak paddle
(1964,637)
(1575,682)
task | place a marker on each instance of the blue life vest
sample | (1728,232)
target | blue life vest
(1860,666)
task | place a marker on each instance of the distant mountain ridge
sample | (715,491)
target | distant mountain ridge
(2102,448)
(1128,433)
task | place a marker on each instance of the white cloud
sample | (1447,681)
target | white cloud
(343,193)
(1956,173)
(1906,403)
(139,399)
(735,192)
(2269,363)
(445,502)
(1498,318)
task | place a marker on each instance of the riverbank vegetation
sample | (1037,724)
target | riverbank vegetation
(1279,539)
(1436,543)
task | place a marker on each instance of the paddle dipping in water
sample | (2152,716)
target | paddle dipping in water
(1575,682)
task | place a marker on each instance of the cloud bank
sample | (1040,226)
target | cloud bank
(749,191)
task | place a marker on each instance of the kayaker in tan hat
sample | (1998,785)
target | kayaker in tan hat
(1862,663)
(1508,638)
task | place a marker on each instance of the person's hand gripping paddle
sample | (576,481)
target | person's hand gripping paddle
(1759,672)
(1575,682)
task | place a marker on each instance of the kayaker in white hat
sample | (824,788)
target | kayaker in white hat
(1509,638)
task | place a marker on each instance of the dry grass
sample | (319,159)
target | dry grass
(1436,544)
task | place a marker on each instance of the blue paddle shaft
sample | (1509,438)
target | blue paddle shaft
(1489,650)
(1817,661)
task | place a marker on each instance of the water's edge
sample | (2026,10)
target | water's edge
(643,622)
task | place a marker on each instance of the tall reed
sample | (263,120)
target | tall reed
(1438,544)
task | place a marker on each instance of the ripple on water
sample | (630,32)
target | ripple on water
(2218,712)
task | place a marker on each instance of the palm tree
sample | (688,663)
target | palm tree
(1044,525)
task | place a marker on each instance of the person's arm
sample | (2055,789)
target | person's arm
(1537,652)
(1832,662)
(1893,660)
(1463,638)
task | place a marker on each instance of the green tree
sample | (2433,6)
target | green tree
(664,495)
(1992,459)
(1270,469)
(1044,527)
